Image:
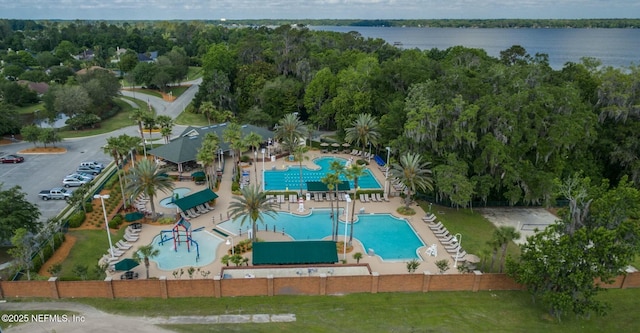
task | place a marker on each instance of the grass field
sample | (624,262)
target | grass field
(511,311)
(187,118)
(90,246)
(476,230)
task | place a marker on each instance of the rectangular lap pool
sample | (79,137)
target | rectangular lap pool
(280,180)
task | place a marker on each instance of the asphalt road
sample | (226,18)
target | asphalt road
(44,171)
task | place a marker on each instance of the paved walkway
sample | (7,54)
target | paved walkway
(89,319)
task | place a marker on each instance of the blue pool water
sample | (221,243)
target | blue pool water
(279,180)
(169,259)
(180,191)
(391,238)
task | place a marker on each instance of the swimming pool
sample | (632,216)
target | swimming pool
(279,180)
(168,201)
(169,259)
(391,238)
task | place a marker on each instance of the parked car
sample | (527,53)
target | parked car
(89,170)
(55,193)
(82,175)
(92,164)
(74,181)
(11,159)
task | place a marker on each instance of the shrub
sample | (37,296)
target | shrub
(113,180)
(88,207)
(76,219)
(36,264)
(116,221)
(406,210)
(58,239)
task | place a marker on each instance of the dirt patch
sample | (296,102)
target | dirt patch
(43,150)
(59,256)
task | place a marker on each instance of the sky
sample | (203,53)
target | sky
(315,9)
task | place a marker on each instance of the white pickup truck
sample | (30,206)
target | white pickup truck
(55,193)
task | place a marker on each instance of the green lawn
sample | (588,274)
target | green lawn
(30,109)
(511,311)
(476,230)
(90,246)
(193,119)
(194,73)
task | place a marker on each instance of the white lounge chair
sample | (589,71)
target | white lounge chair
(436,226)
(209,207)
(123,245)
(130,238)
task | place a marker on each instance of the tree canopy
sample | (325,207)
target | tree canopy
(16,212)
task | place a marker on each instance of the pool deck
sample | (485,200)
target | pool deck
(211,219)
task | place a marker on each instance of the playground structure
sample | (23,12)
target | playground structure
(181,234)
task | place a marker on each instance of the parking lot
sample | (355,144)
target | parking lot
(44,171)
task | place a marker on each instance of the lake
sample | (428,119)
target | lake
(614,47)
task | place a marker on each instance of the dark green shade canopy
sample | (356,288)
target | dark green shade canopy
(295,253)
(126,264)
(195,199)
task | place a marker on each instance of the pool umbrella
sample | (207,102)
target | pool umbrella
(324,144)
(133,216)
(198,174)
(335,144)
(346,144)
(126,264)
(472,258)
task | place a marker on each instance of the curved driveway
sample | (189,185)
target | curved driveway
(44,171)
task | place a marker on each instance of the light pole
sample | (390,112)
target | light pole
(230,242)
(346,222)
(269,148)
(458,237)
(386,174)
(220,159)
(106,221)
(263,185)
(255,167)
(144,148)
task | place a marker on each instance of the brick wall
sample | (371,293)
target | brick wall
(314,285)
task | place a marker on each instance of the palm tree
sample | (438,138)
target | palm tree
(354,172)
(147,178)
(129,143)
(332,181)
(139,115)
(233,135)
(149,123)
(114,147)
(290,129)
(253,205)
(144,253)
(413,173)
(503,236)
(207,155)
(166,126)
(363,132)
(299,153)
(337,169)
(253,140)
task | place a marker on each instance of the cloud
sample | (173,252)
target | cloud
(369,9)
